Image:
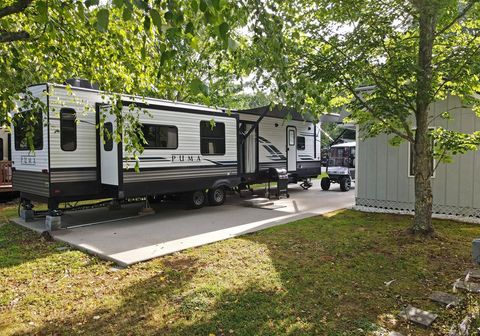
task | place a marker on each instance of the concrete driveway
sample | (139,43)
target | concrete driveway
(125,238)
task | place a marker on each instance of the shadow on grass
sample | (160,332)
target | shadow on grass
(19,245)
(136,313)
(332,272)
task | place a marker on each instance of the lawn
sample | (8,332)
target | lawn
(324,275)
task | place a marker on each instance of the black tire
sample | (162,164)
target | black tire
(325,183)
(217,196)
(195,199)
(345,183)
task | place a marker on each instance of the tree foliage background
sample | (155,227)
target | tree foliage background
(180,50)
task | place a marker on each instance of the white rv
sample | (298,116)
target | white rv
(185,153)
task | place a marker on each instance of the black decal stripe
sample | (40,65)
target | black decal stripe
(180,167)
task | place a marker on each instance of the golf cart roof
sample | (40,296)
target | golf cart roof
(346,144)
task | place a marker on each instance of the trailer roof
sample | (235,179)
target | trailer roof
(281,112)
(141,99)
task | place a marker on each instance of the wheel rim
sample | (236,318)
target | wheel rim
(218,195)
(348,184)
(198,198)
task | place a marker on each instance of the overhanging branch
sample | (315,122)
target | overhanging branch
(458,17)
(6,36)
(17,7)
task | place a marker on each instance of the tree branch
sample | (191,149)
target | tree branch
(457,72)
(17,7)
(372,112)
(6,36)
(458,17)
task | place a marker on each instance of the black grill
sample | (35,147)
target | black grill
(280,176)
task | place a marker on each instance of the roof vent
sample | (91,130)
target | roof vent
(83,83)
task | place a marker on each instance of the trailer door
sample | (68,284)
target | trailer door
(109,148)
(291,148)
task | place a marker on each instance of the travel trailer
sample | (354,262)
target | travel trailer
(190,150)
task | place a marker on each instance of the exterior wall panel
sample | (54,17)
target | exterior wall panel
(35,183)
(455,186)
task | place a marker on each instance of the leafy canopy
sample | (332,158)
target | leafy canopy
(319,53)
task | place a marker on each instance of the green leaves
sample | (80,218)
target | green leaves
(42,10)
(198,87)
(156,19)
(127,13)
(223,30)
(167,49)
(146,23)
(90,3)
(102,19)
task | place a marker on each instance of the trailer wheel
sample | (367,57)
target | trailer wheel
(325,183)
(217,196)
(345,183)
(195,199)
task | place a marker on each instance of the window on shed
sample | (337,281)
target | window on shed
(160,136)
(21,130)
(212,139)
(68,129)
(301,143)
(108,136)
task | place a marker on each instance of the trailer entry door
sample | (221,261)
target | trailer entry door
(291,148)
(109,162)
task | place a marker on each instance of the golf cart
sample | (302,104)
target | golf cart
(341,166)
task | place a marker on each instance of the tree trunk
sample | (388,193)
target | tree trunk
(423,167)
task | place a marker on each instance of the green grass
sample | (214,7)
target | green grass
(319,276)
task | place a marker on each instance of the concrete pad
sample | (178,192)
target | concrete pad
(126,238)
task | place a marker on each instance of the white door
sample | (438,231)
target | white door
(109,163)
(250,150)
(291,148)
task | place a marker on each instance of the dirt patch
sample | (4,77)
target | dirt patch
(180,263)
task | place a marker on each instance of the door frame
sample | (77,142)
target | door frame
(287,147)
(99,143)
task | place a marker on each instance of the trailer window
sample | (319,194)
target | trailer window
(212,139)
(68,129)
(21,130)
(160,136)
(301,143)
(107,136)
(291,137)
